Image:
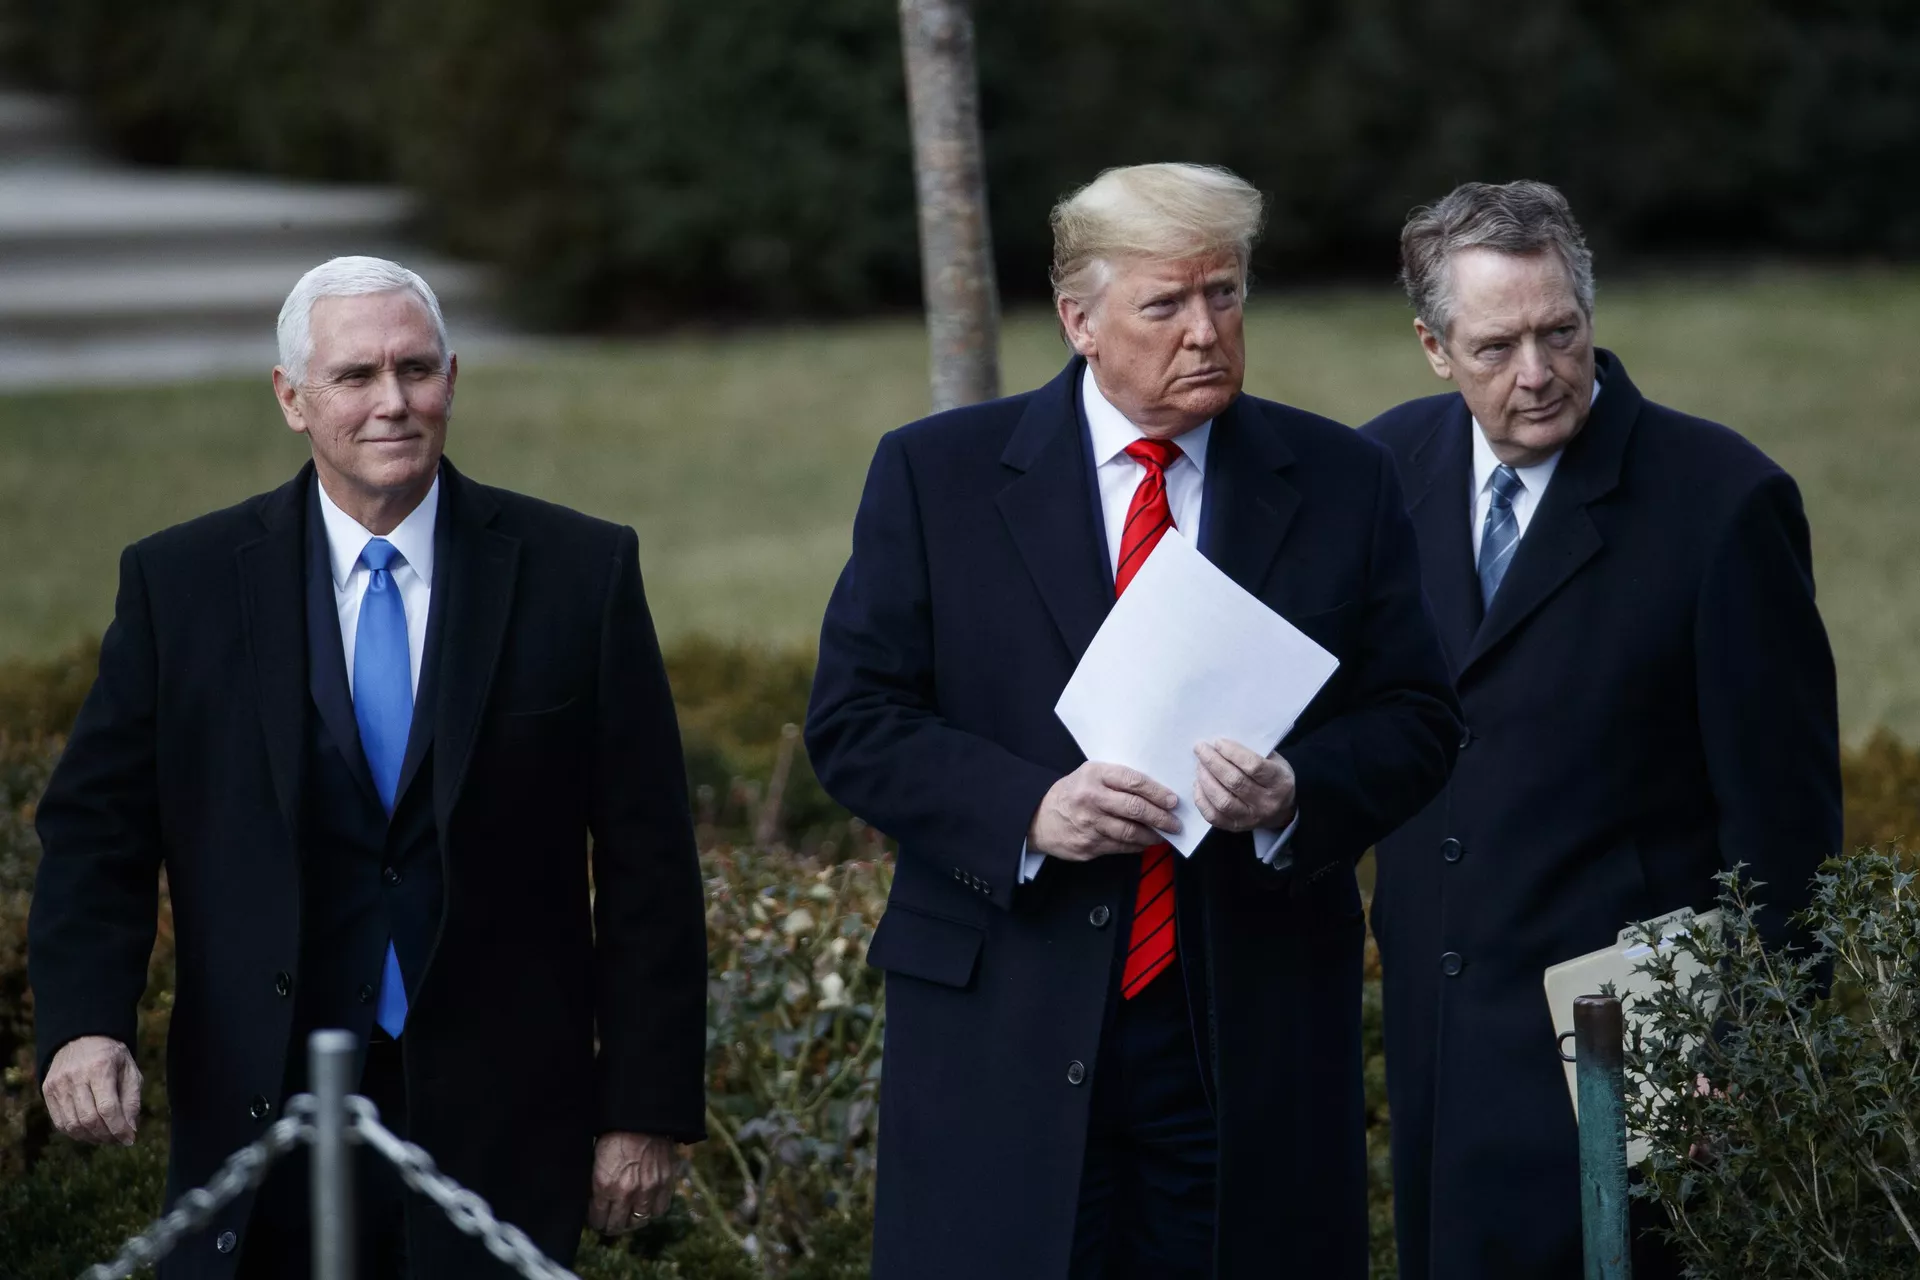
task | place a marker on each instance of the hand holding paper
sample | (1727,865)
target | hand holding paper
(1188,656)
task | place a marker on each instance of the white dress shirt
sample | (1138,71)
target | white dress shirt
(1118,475)
(1533,483)
(412,571)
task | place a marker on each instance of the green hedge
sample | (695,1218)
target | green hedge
(794,890)
(634,161)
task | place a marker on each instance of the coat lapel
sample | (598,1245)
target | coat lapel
(481,566)
(1440,505)
(271,583)
(1048,509)
(1562,535)
(425,704)
(327,656)
(1249,504)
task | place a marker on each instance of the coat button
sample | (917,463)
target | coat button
(1451,964)
(1466,737)
(226,1242)
(283,983)
(391,875)
(1076,1072)
(258,1108)
(366,993)
(1099,916)
(1451,849)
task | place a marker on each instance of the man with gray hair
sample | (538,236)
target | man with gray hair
(1104,1060)
(368,725)
(1625,595)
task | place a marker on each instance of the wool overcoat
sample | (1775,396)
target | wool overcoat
(978,577)
(553,756)
(1649,700)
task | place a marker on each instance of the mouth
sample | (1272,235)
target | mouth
(1202,375)
(1541,413)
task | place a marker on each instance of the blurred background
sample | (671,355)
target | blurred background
(677,247)
(720,196)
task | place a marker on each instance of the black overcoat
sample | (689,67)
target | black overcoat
(552,729)
(1650,699)
(978,578)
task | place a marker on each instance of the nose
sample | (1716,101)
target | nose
(1201,332)
(1532,370)
(390,398)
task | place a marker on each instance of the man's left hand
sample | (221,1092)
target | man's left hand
(633,1177)
(1236,789)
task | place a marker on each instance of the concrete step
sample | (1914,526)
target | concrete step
(37,130)
(110,273)
(51,297)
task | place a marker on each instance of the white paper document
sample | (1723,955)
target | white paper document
(1187,655)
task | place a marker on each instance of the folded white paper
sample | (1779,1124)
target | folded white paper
(1185,656)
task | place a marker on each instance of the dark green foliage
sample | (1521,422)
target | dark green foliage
(794,1015)
(638,161)
(1804,1158)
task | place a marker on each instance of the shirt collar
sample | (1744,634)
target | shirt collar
(1112,432)
(1534,478)
(412,538)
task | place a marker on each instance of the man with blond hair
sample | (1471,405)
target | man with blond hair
(367,724)
(1104,1060)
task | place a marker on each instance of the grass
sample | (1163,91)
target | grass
(739,457)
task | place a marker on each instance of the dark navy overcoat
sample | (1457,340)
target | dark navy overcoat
(1649,699)
(978,577)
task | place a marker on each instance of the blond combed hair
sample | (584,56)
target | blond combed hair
(1160,212)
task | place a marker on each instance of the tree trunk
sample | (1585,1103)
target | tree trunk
(956,249)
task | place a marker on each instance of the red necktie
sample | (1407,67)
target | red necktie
(1150,944)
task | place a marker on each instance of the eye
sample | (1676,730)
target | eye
(1158,307)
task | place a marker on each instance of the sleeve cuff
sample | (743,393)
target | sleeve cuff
(1268,843)
(1030,862)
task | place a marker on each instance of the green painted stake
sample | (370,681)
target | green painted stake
(1598,1042)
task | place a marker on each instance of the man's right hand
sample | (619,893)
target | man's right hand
(1099,809)
(92,1090)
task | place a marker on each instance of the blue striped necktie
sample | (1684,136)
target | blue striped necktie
(383,707)
(1501,536)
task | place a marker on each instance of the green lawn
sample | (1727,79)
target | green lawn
(739,458)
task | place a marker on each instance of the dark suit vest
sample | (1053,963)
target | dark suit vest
(364,879)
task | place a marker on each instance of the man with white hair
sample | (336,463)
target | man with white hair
(368,724)
(1103,1060)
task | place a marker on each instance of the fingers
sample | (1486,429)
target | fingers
(1216,804)
(87,1124)
(112,1111)
(1239,770)
(603,1214)
(1132,781)
(130,1082)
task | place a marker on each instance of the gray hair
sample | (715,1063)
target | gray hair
(349,277)
(1521,218)
(1163,212)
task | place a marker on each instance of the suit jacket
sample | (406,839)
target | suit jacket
(1650,699)
(978,578)
(551,727)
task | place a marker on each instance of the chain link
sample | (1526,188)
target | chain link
(464,1208)
(241,1173)
(247,1166)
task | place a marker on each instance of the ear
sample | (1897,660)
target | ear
(292,408)
(1435,350)
(1076,321)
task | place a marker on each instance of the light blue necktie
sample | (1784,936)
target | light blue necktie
(1501,536)
(383,707)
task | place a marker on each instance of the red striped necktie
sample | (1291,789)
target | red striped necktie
(1150,943)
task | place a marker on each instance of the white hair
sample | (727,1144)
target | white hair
(1159,212)
(349,277)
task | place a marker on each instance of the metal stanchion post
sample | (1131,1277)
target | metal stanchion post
(330,1057)
(1598,1040)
